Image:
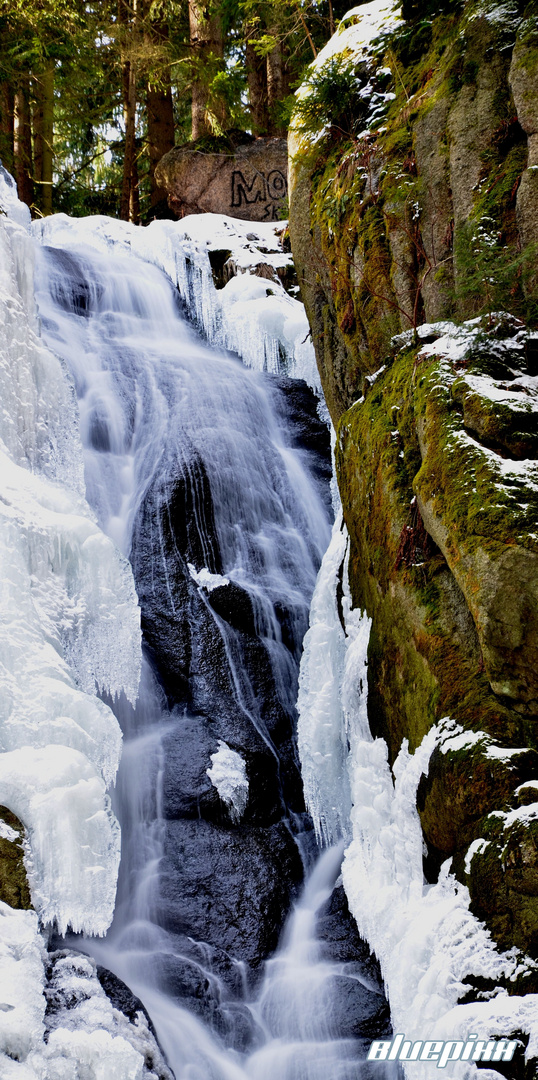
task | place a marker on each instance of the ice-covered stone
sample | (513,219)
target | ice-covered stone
(228,774)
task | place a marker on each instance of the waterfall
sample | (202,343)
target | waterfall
(212,479)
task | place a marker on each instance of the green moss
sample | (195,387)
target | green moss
(461,479)
(13,881)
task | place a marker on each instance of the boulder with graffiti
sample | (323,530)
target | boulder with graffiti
(243,177)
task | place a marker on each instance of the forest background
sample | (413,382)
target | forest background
(93,94)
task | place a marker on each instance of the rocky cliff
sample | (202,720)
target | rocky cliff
(414,222)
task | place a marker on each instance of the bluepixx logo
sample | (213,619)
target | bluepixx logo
(442,1053)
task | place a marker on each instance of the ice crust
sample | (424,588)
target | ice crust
(228,774)
(425,937)
(205,579)
(70,623)
(10,204)
(251,316)
(88,1039)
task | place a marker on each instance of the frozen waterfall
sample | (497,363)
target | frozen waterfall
(213,480)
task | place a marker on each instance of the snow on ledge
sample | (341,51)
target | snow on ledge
(228,774)
(205,579)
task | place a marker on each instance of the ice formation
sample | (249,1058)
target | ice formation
(251,315)
(205,579)
(427,940)
(228,774)
(66,595)
(321,728)
(86,1036)
(10,204)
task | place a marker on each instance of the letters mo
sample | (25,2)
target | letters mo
(261,188)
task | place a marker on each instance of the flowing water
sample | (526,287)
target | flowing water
(191,467)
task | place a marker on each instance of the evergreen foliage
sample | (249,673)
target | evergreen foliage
(113,69)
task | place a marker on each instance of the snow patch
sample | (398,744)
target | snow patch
(228,774)
(86,1036)
(205,579)
(10,204)
(371,21)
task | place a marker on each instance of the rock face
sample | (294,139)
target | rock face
(430,214)
(225,886)
(244,179)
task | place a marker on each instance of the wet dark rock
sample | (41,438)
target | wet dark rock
(307,430)
(72,288)
(121,997)
(228,668)
(235,606)
(203,993)
(229,888)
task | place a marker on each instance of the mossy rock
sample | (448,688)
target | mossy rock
(503,882)
(13,880)
(481,510)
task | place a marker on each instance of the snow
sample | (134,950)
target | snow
(426,938)
(205,579)
(10,203)
(22,1005)
(228,774)
(477,847)
(7,833)
(88,1039)
(67,597)
(251,315)
(371,21)
(523,395)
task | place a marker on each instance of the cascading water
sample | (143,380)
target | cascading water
(194,472)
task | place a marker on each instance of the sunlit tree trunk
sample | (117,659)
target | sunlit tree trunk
(43,125)
(129,121)
(257,85)
(206,43)
(127,14)
(48,136)
(275,85)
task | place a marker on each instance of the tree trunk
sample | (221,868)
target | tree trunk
(134,193)
(128,11)
(275,85)
(48,137)
(206,47)
(160,118)
(22,144)
(160,115)
(257,85)
(37,128)
(7,109)
(129,120)
(43,123)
